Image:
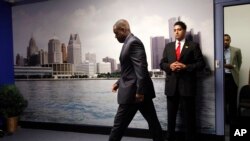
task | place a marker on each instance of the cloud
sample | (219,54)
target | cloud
(93,21)
(152,25)
(84,18)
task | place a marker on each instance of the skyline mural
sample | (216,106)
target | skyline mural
(93,22)
(78,35)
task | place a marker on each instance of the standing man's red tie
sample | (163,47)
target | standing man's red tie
(178,51)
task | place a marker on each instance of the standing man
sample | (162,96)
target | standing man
(232,64)
(135,86)
(181,59)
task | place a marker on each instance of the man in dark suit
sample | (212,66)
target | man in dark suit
(135,86)
(181,59)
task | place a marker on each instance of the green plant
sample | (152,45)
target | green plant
(12,103)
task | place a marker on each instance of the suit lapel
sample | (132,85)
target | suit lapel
(172,50)
(184,48)
(123,51)
(232,53)
(120,58)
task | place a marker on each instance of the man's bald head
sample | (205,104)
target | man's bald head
(123,25)
(121,29)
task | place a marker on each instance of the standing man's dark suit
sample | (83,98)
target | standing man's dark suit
(135,85)
(180,85)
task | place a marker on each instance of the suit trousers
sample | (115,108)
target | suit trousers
(125,114)
(188,105)
(230,94)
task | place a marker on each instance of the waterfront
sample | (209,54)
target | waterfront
(92,102)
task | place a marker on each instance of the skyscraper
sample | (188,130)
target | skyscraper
(64,53)
(54,51)
(32,49)
(87,68)
(32,53)
(43,57)
(91,57)
(74,49)
(104,67)
(191,36)
(197,39)
(112,62)
(19,60)
(157,45)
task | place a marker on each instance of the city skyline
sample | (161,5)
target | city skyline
(66,61)
(55,45)
(157,45)
(93,21)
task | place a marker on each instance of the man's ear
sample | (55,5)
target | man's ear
(123,29)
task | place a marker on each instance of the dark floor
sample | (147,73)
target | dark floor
(29,134)
(24,134)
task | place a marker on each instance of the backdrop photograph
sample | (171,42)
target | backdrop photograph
(66,57)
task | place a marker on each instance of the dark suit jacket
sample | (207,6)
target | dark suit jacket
(185,80)
(134,73)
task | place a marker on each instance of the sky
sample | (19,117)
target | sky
(93,20)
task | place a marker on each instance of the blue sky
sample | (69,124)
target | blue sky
(93,20)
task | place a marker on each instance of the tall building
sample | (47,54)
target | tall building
(197,39)
(86,68)
(104,67)
(19,60)
(60,70)
(32,49)
(157,45)
(74,50)
(43,57)
(54,51)
(191,36)
(64,53)
(171,23)
(91,57)
(32,53)
(112,62)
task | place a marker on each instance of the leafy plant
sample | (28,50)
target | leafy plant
(12,102)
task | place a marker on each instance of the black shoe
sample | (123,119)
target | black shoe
(170,137)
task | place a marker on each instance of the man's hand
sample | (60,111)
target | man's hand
(139,98)
(114,88)
(181,65)
(177,66)
(228,66)
(174,66)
